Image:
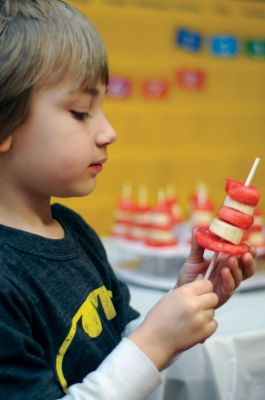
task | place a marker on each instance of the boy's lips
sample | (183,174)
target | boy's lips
(99,162)
(98,165)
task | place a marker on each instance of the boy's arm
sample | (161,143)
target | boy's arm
(132,364)
(126,374)
(179,320)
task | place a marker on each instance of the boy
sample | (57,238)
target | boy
(66,327)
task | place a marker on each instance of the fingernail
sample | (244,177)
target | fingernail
(247,256)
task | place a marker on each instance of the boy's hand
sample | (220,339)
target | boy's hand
(227,275)
(182,318)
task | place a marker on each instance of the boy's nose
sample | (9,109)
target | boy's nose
(106,134)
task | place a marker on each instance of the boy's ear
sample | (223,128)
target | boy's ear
(6,144)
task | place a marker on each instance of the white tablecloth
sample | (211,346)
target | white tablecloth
(228,366)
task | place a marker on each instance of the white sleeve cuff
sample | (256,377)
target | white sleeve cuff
(126,374)
(134,324)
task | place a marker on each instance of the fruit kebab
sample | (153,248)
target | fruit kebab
(201,208)
(226,231)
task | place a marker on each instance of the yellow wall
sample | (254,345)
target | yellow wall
(190,136)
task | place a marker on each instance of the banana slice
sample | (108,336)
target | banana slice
(201,218)
(229,202)
(255,239)
(159,235)
(226,231)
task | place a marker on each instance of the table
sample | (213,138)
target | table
(228,366)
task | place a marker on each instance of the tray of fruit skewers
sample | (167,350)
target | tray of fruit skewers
(149,246)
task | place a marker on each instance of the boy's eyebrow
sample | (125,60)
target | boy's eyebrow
(92,91)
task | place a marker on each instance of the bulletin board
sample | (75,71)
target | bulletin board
(186,96)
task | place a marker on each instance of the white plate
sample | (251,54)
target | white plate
(158,268)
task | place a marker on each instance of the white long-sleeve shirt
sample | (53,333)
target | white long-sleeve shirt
(126,374)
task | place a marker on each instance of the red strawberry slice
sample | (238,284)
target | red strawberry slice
(249,195)
(235,217)
(210,241)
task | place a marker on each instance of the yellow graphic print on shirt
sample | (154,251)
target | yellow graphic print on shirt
(90,322)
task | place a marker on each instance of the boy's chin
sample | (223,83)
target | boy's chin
(85,190)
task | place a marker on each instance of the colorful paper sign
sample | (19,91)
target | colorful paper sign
(188,40)
(224,46)
(255,48)
(191,79)
(119,87)
(155,88)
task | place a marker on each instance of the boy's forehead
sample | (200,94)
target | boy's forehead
(68,90)
(94,91)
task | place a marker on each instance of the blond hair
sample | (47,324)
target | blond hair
(41,43)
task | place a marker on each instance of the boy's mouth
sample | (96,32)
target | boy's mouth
(98,165)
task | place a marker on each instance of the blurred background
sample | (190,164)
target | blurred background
(186,96)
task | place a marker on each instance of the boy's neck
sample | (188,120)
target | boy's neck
(31,215)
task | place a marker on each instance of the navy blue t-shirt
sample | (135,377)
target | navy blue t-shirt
(62,310)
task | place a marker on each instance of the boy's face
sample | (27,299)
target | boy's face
(62,146)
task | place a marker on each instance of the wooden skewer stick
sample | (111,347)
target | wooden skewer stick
(247,183)
(161,197)
(126,192)
(143,196)
(202,194)
(252,171)
(211,266)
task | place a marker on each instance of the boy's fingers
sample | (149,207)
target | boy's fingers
(199,287)
(196,251)
(228,281)
(235,271)
(248,265)
(209,300)
(209,314)
(212,326)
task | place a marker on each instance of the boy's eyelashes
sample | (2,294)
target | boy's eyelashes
(80,115)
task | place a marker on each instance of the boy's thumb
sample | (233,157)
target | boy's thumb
(196,251)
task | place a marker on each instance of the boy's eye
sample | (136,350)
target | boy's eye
(80,116)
